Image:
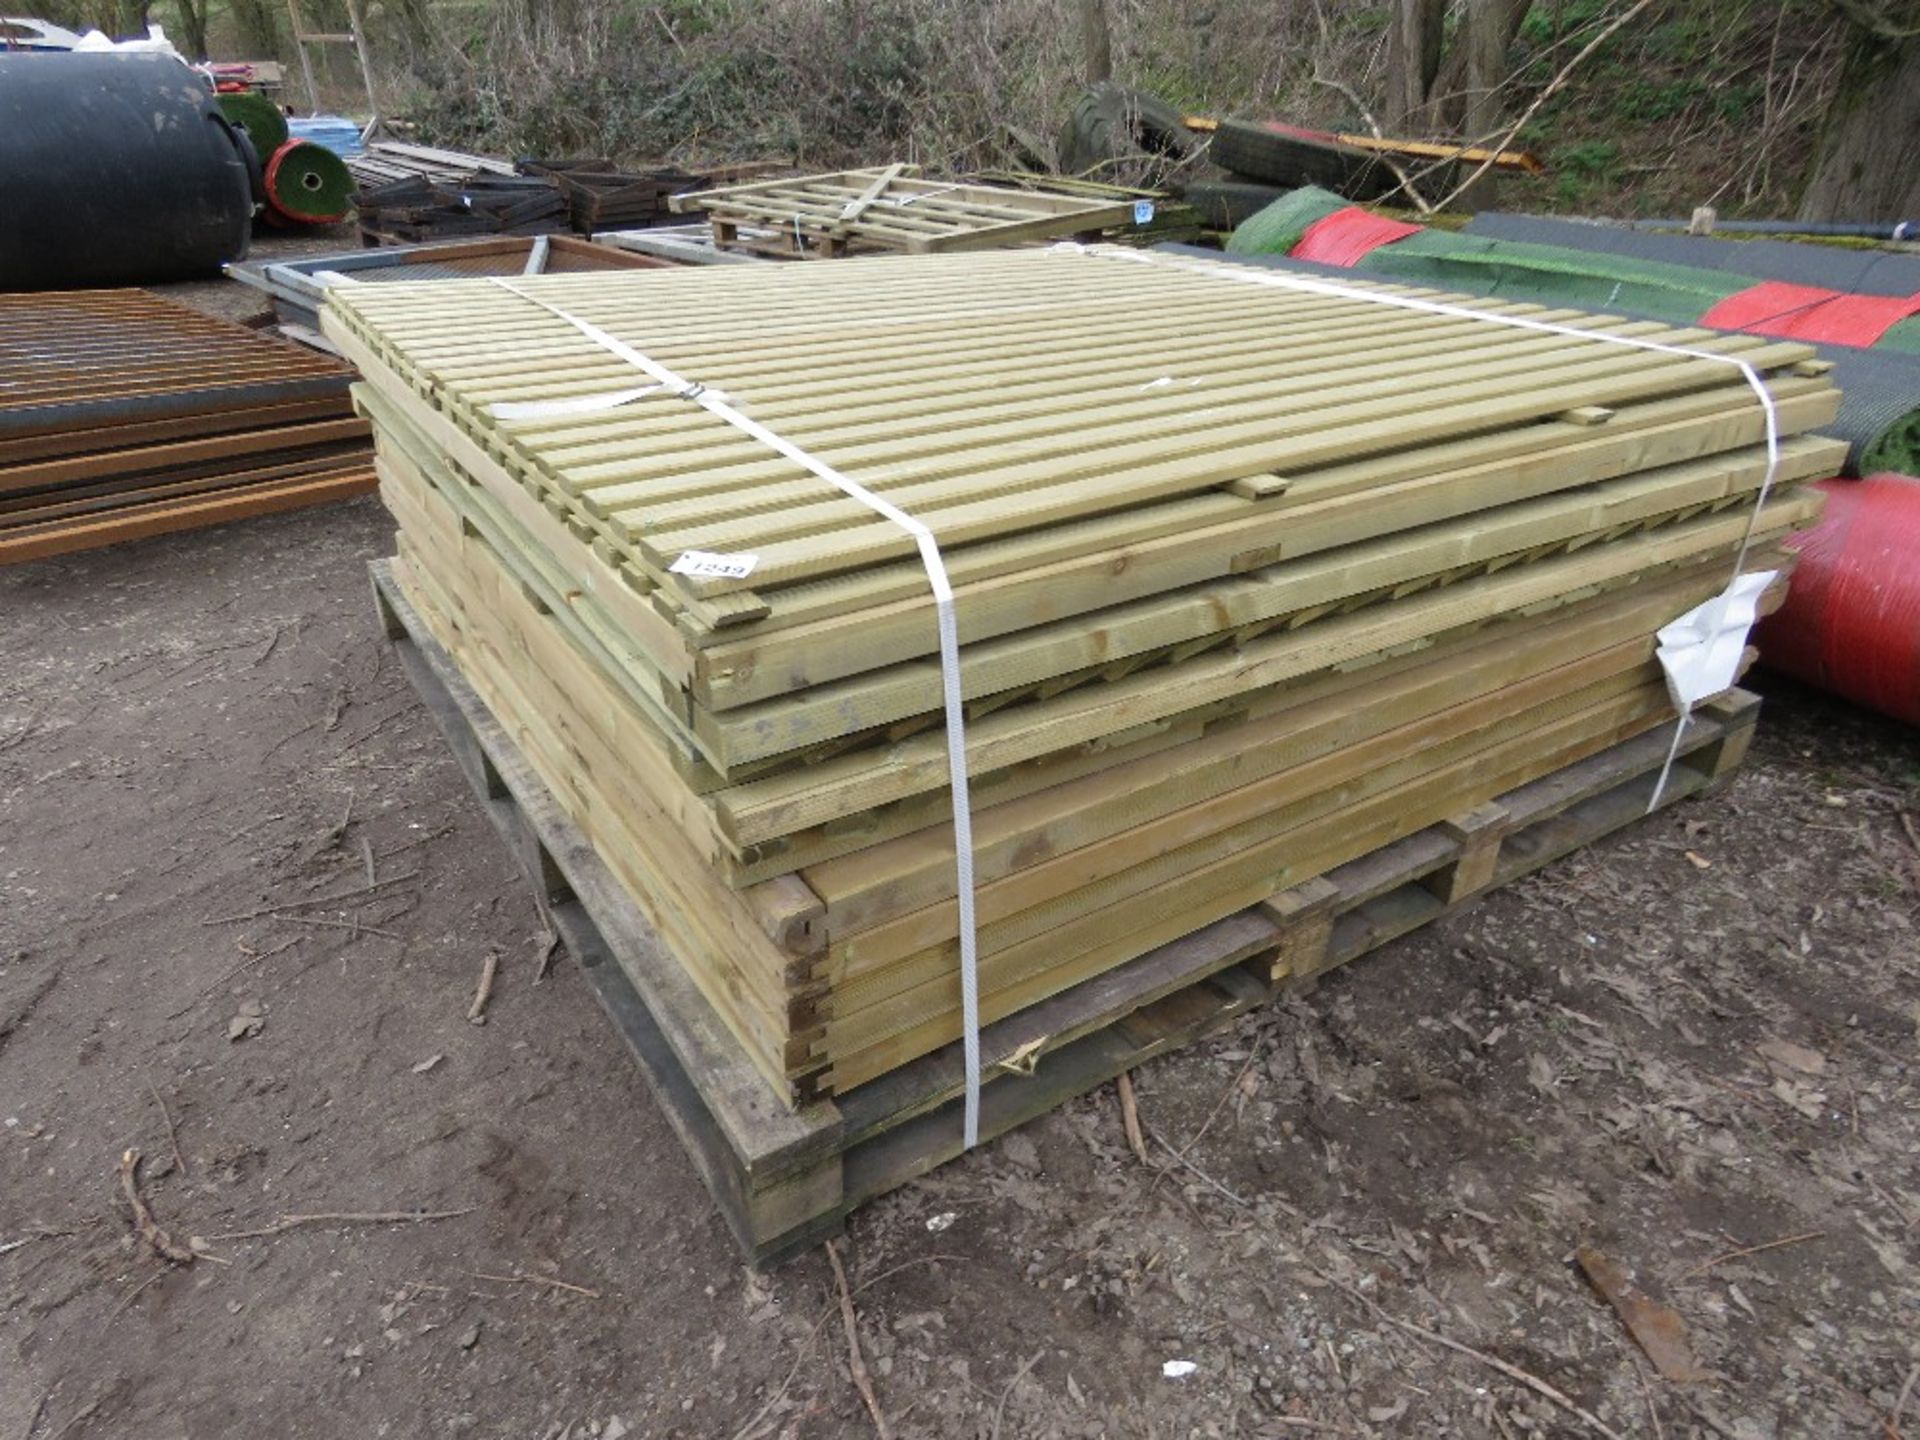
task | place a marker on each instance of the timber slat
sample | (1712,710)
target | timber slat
(1250,589)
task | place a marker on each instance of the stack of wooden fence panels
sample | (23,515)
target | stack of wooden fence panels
(895,208)
(123,415)
(1249,583)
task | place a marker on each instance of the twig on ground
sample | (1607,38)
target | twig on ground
(254,957)
(173,1131)
(418,840)
(338,897)
(856,1362)
(1130,1115)
(366,855)
(1512,1372)
(477,1012)
(341,1217)
(126,1300)
(520,1277)
(1744,1251)
(1212,1183)
(755,1421)
(1000,1410)
(33,1420)
(1707,1418)
(80,1417)
(1900,1404)
(1653,1410)
(148,1229)
(355,927)
(550,947)
(377,727)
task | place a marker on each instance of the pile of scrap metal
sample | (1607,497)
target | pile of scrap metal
(128,416)
(409,194)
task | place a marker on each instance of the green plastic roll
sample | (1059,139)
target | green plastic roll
(1521,270)
(308,183)
(1278,228)
(259,117)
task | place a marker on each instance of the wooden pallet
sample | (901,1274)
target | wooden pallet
(785,1179)
(895,208)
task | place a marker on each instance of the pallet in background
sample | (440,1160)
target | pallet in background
(786,1179)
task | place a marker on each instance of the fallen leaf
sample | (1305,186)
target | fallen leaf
(250,1021)
(1655,1327)
(1699,861)
(1794,1057)
(1381,1414)
(1810,1103)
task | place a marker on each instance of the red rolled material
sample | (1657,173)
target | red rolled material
(1808,312)
(1851,622)
(1344,236)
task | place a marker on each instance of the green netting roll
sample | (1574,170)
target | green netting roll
(258,116)
(308,183)
(1278,228)
(1550,276)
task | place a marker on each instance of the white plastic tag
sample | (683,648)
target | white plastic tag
(705,565)
(1143,212)
(1701,650)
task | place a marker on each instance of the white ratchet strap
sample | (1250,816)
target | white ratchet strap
(1726,608)
(716,402)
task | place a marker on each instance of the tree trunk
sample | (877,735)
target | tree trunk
(1869,160)
(259,35)
(1413,61)
(193,29)
(1491,26)
(1096,40)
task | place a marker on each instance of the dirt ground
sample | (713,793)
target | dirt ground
(1692,1048)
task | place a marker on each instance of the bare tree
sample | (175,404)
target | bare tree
(1868,164)
(192,40)
(1096,39)
(1433,84)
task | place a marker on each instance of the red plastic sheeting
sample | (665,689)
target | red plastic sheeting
(1851,623)
(1344,236)
(1808,312)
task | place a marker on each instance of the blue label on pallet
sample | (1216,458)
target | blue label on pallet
(1142,212)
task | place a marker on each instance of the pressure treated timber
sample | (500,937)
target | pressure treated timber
(782,1180)
(767,1020)
(776,728)
(893,208)
(831,327)
(1316,574)
(760,811)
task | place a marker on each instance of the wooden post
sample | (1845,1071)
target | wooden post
(1305,917)
(306,64)
(1478,833)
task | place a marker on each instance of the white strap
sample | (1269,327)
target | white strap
(716,402)
(1302,284)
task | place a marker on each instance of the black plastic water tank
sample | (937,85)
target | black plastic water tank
(114,170)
